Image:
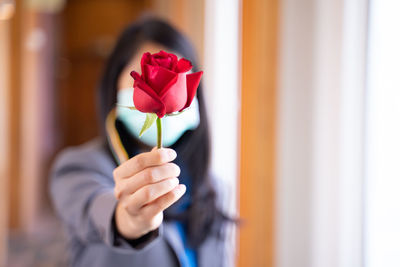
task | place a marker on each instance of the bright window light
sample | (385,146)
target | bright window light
(382,207)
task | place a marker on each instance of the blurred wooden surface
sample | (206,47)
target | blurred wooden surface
(36,108)
(14,115)
(88,32)
(259,70)
(4,135)
(187,16)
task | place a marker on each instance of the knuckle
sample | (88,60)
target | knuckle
(125,206)
(159,205)
(148,193)
(117,192)
(159,156)
(140,162)
(115,174)
(150,175)
(129,206)
(174,195)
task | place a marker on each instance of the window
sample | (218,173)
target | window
(382,205)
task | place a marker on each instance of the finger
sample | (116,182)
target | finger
(149,175)
(163,202)
(149,193)
(144,160)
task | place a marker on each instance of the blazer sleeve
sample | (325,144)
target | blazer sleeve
(83,197)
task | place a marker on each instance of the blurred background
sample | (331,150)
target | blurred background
(304,103)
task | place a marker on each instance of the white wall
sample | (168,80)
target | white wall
(294,134)
(221,77)
(382,231)
(320,133)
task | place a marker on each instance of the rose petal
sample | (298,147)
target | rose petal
(161,54)
(144,86)
(164,62)
(153,62)
(183,65)
(174,62)
(175,96)
(145,102)
(192,82)
(145,60)
(135,75)
(158,77)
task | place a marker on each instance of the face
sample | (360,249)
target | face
(125,80)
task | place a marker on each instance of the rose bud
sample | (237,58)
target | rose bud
(164,86)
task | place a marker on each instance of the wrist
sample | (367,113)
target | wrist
(124,225)
(119,240)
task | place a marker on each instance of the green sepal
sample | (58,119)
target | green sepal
(150,119)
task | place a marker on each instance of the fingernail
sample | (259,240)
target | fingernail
(181,188)
(175,181)
(167,154)
(172,153)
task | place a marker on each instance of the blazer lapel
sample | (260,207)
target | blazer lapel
(171,234)
(211,253)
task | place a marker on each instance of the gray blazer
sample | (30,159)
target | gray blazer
(81,189)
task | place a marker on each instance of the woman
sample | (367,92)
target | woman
(119,197)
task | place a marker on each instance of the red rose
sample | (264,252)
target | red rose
(164,87)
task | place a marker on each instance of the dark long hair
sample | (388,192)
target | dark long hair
(202,216)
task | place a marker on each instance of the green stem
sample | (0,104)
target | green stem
(159,133)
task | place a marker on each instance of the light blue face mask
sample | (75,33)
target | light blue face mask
(173,126)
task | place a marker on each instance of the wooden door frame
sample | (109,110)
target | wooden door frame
(257,157)
(4,135)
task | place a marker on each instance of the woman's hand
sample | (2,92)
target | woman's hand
(145,185)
